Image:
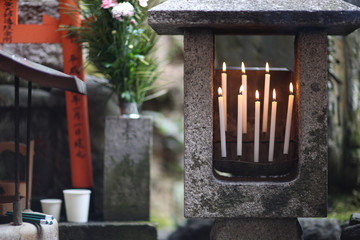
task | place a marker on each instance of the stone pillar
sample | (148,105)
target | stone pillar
(311,74)
(256,228)
(128,147)
(198,113)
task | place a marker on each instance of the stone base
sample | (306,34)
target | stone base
(128,145)
(252,229)
(108,231)
(29,231)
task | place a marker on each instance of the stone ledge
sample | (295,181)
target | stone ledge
(108,231)
(29,231)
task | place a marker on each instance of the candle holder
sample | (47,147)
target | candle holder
(243,168)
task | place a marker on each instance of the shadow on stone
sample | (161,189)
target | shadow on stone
(194,229)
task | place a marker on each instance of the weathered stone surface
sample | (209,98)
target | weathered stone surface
(351,232)
(108,231)
(31,12)
(258,16)
(128,145)
(355,219)
(40,98)
(320,228)
(29,231)
(46,54)
(100,105)
(244,229)
(311,84)
(306,195)
(194,229)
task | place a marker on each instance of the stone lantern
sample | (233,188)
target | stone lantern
(261,200)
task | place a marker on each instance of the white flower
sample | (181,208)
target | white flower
(123,9)
(143,3)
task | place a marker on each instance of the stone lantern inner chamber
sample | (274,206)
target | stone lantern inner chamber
(302,190)
(284,167)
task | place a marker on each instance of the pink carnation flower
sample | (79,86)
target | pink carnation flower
(143,3)
(123,9)
(108,3)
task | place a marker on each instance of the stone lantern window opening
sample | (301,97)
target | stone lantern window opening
(242,168)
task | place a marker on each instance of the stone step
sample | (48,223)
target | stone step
(108,231)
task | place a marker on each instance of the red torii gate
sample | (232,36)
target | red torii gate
(76,104)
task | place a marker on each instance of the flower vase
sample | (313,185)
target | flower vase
(129,109)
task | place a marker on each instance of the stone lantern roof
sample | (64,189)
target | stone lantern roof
(335,17)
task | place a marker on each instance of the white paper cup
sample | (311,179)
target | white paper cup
(51,206)
(77,203)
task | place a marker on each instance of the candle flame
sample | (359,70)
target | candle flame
(257,97)
(241,89)
(224,67)
(267,67)
(274,95)
(243,67)
(219,91)
(291,88)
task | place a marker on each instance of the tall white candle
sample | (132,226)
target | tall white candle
(239,121)
(257,127)
(224,89)
(288,120)
(222,124)
(272,128)
(266,99)
(244,83)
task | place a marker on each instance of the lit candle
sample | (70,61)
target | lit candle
(222,124)
(244,83)
(266,99)
(239,121)
(272,127)
(224,89)
(288,120)
(257,127)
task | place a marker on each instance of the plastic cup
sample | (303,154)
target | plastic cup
(51,206)
(77,203)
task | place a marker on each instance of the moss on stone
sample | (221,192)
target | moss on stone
(125,182)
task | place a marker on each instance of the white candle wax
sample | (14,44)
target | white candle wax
(222,124)
(239,121)
(257,127)
(288,120)
(244,83)
(266,99)
(272,128)
(224,91)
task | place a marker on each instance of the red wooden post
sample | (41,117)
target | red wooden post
(76,107)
